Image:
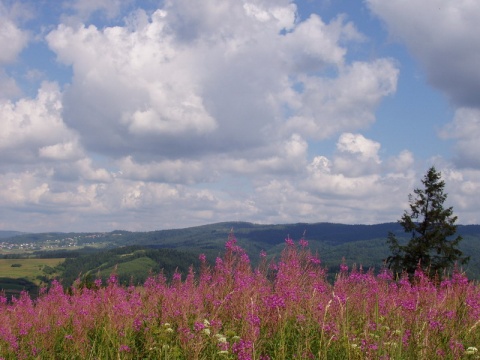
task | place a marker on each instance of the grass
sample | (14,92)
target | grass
(285,309)
(133,268)
(29,269)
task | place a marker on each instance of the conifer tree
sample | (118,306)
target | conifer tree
(432,245)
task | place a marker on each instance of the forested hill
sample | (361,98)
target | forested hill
(334,243)
(9,234)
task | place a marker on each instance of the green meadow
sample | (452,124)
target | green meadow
(26,268)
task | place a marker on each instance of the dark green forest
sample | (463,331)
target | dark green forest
(131,264)
(133,256)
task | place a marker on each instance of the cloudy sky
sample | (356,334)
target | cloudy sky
(144,115)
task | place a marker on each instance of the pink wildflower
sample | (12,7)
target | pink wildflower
(289,241)
(124,348)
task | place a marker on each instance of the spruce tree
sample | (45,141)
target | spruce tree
(432,245)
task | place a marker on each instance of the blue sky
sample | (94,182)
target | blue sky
(144,115)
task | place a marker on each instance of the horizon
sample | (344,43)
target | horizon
(153,115)
(214,223)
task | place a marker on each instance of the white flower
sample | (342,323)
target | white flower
(221,338)
(471,350)
(206,331)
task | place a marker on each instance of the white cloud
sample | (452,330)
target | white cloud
(208,111)
(463,192)
(8,86)
(290,157)
(83,10)
(31,189)
(168,171)
(83,170)
(322,195)
(356,155)
(63,151)
(33,127)
(402,162)
(356,144)
(347,102)
(12,39)
(443,36)
(465,128)
(191,79)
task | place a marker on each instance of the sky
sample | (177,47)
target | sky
(149,115)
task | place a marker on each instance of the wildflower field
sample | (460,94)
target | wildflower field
(283,309)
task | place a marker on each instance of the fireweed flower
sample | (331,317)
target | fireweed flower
(303,243)
(383,316)
(124,348)
(198,326)
(289,242)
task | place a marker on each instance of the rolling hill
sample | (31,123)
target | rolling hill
(355,244)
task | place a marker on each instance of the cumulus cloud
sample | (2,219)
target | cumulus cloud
(356,155)
(34,127)
(12,39)
(442,35)
(83,10)
(462,187)
(328,106)
(402,162)
(191,79)
(209,111)
(167,171)
(8,86)
(465,128)
(324,194)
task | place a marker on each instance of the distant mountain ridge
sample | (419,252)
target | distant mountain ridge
(332,233)
(9,233)
(334,243)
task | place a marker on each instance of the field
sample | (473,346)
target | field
(26,268)
(17,275)
(229,310)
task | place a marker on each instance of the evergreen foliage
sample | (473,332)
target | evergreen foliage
(131,264)
(432,245)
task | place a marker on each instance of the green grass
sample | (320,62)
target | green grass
(136,267)
(29,269)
